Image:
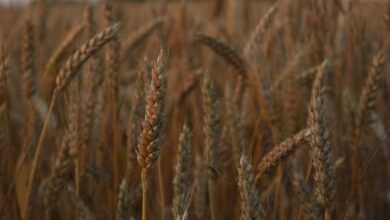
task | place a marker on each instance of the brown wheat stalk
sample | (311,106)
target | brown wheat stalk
(150,138)
(111,127)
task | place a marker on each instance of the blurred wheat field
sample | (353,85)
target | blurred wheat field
(222,109)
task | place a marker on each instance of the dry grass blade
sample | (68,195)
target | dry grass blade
(58,56)
(63,50)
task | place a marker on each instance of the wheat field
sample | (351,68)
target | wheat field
(195,110)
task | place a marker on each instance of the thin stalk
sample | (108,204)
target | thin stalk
(161,185)
(78,174)
(327,214)
(144,179)
(25,209)
(212,199)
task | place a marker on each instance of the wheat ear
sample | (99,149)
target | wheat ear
(149,142)
(251,208)
(320,141)
(212,131)
(282,151)
(223,50)
(183,175)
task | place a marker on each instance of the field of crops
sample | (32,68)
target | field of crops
(219,110)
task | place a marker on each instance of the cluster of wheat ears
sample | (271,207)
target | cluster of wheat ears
(171,121)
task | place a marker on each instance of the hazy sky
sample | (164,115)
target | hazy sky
(13,1)
(16,1)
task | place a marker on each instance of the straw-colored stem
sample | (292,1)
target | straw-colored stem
(25,209)
(161,185)
(212,199)
(78,174)
(327,214)
(144,179)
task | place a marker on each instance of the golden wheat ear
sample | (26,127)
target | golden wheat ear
(149,144)
(74,63)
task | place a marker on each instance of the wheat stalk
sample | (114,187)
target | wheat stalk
(111,130)
(149,143)
(4,102)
